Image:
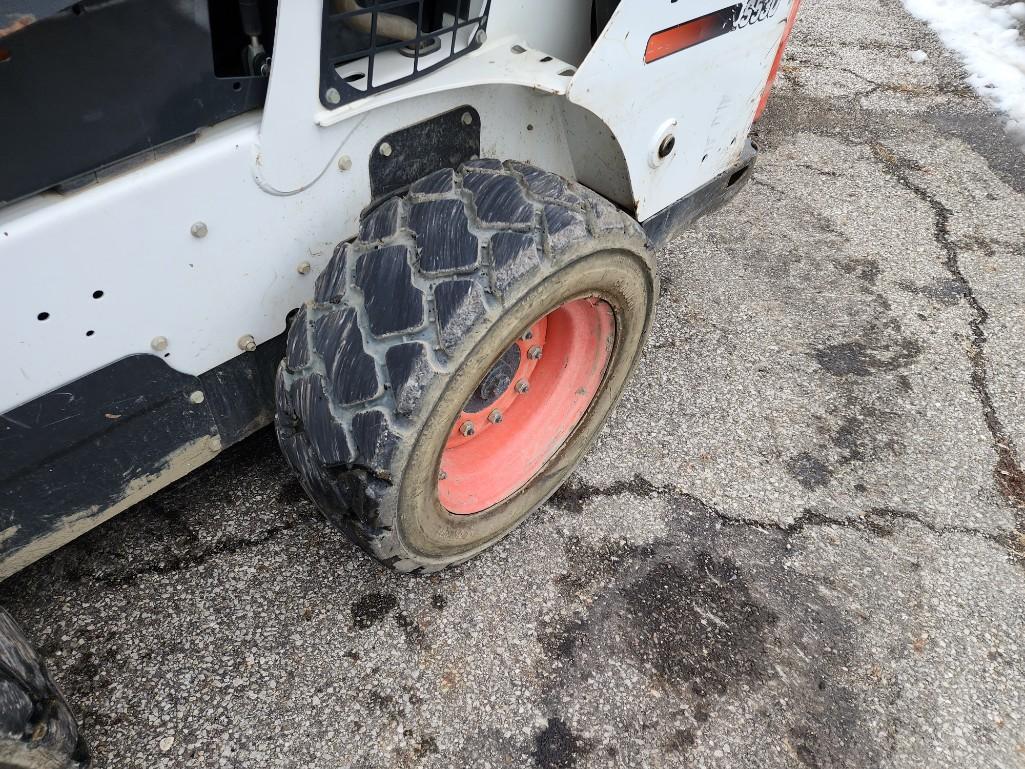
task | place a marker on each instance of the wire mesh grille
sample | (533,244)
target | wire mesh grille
(371,45)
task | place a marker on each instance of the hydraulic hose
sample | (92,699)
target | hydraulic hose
(389,25)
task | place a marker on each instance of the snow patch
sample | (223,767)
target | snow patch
(985,35)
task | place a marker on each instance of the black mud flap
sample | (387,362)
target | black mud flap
(444,141)
(72,458)
(677,217)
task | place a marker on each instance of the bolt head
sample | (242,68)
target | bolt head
(523,386)
(197,397)
(344,163)
(303,268)
(467,118)
(247,343)
(385,149)
(332,96)
(534,353)
(199,230)
(481,37)
(159,343)
(528,336)
(467,429)
(495,417)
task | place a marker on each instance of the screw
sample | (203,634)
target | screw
(481,37)
(344,163)
(159,343)
(247,343)
(197,397)
(534,353)
(442,475)
(467,429)
(495,417)
(467,118)
(522,386)
(303,268)
(385,149)
(332,96)
(199,230)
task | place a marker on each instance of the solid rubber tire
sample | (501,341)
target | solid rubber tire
(406,320)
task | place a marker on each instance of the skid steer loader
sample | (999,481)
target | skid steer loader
(416,235)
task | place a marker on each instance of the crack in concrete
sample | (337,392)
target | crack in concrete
(571,497)
(1007,473)
(193,557)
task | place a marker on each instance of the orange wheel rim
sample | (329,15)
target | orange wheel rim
(526,407)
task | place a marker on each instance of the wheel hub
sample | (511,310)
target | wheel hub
(526,406)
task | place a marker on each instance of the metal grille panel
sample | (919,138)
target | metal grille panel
(357,59)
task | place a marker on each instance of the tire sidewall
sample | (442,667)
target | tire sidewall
(620,276)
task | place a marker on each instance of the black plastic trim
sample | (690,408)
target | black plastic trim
(80,449)
(661,227)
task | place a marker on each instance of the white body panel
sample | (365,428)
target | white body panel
(708,93)
(269,189)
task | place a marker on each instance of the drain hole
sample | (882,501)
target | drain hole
(43,316)
(737,176)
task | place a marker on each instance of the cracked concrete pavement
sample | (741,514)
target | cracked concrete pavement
(797,543)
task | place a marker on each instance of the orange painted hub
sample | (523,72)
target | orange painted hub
(494,452)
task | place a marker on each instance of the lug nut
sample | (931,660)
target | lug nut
(247,343)
(495,417)
(522,386)
(467,429)
(534,353)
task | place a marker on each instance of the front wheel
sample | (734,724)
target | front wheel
(459,358)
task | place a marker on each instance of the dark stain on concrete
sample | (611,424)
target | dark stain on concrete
(808,470)
(556,747)
(946,291)
(856,358)
(983,132)
(697,624)
(370,608)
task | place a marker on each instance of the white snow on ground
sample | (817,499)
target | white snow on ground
(984,34)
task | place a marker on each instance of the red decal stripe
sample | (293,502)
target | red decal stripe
(691,33)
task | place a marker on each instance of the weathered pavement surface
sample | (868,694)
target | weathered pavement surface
(797,544)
